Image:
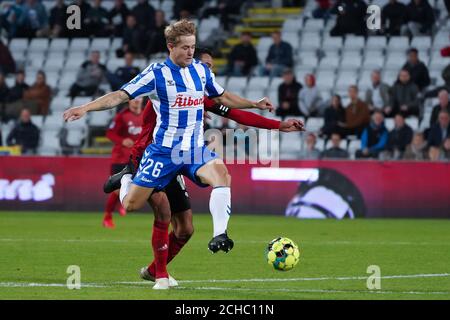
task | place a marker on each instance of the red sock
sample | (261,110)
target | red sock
(160,244)
(175,246)
(110,205)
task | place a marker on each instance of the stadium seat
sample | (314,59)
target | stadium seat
(59,104)
(222,81)
(354,43)
(332,43)
(18,45)
(38,45)
(422,43)
(376,42)
(314,124)
(66,80)
(342,145)
(395,60)
(275,83)
(308,59)
(38,120)
(59,45)
(354,146)
(255,94)
(292,39)
(413,122)
(261,83)
(398,43)
(291,143)
(264,43)
(79,45)
(237,84)
(330,62)
(101,44)
(313,25)
(390,76)
(365,81)
(346,79)
(325,80)
(75,137)
(50,142)
(100,119)
(52,78)
(310,41)
(437,62)
(291,25)
(373,61)
(351,61)
(389,123)
(53,121)
(440,40)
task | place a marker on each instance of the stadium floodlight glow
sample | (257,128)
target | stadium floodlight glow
(285,174)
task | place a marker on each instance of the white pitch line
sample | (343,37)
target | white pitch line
(106,284)
(337,242)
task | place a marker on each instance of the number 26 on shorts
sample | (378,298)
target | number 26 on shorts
(145,168)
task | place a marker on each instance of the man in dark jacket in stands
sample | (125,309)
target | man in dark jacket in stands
(279,56)
(335,152)
(25,134)
(439,131)
(417,69)
(374,137)
(399,137)
(288,95)
(420,17)
(351,16)
(242,57)
(393,16)
(443,105)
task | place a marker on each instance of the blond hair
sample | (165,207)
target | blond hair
(175,30)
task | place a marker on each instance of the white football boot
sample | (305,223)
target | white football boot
(144,274)
(161,284)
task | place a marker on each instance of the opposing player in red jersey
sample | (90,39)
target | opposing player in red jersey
(124,130)
(179,214)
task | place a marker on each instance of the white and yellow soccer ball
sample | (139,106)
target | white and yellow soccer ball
(282,253)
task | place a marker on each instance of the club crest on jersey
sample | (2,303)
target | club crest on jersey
(170,83)
(182,101)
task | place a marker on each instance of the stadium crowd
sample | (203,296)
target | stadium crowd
(141,28)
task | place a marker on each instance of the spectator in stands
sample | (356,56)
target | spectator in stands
(117,17)
(357,115)
(34,20)
(309,99)
(446,77)
(310,152)
(374,137)
(156,38)
(10,16)
(184,9)
(399,138)
(393,17)
(445,150)
(417,69)
(96,20)
(224,8)
(133,38)
(242,58)
(439,131)
(443,105)
(123,74)
(16,92)
(335,152)
(322,11)
(378,95)
(58,20)
(434,153)
(333,115)
(404,97)
(84,9)
(288,93)
(24,134)
(351,15)
(7,63)
(279,56)
(144,14)
(417,150)
(420,18)
(4,93)
(89,77)
(38,96)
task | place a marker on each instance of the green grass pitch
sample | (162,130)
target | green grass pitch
(37,247)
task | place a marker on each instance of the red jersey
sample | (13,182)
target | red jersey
(246,118)
(126,124)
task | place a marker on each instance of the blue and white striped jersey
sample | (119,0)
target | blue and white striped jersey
(177,96)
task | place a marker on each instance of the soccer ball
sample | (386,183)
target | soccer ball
(282,253)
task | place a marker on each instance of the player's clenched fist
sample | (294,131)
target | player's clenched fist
(264,104)
(292,125)
(73,114)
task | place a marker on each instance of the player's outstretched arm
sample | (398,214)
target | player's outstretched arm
(232,100)
(108,101)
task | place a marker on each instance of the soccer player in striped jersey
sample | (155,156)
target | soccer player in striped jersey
(180,213)
(176,89)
